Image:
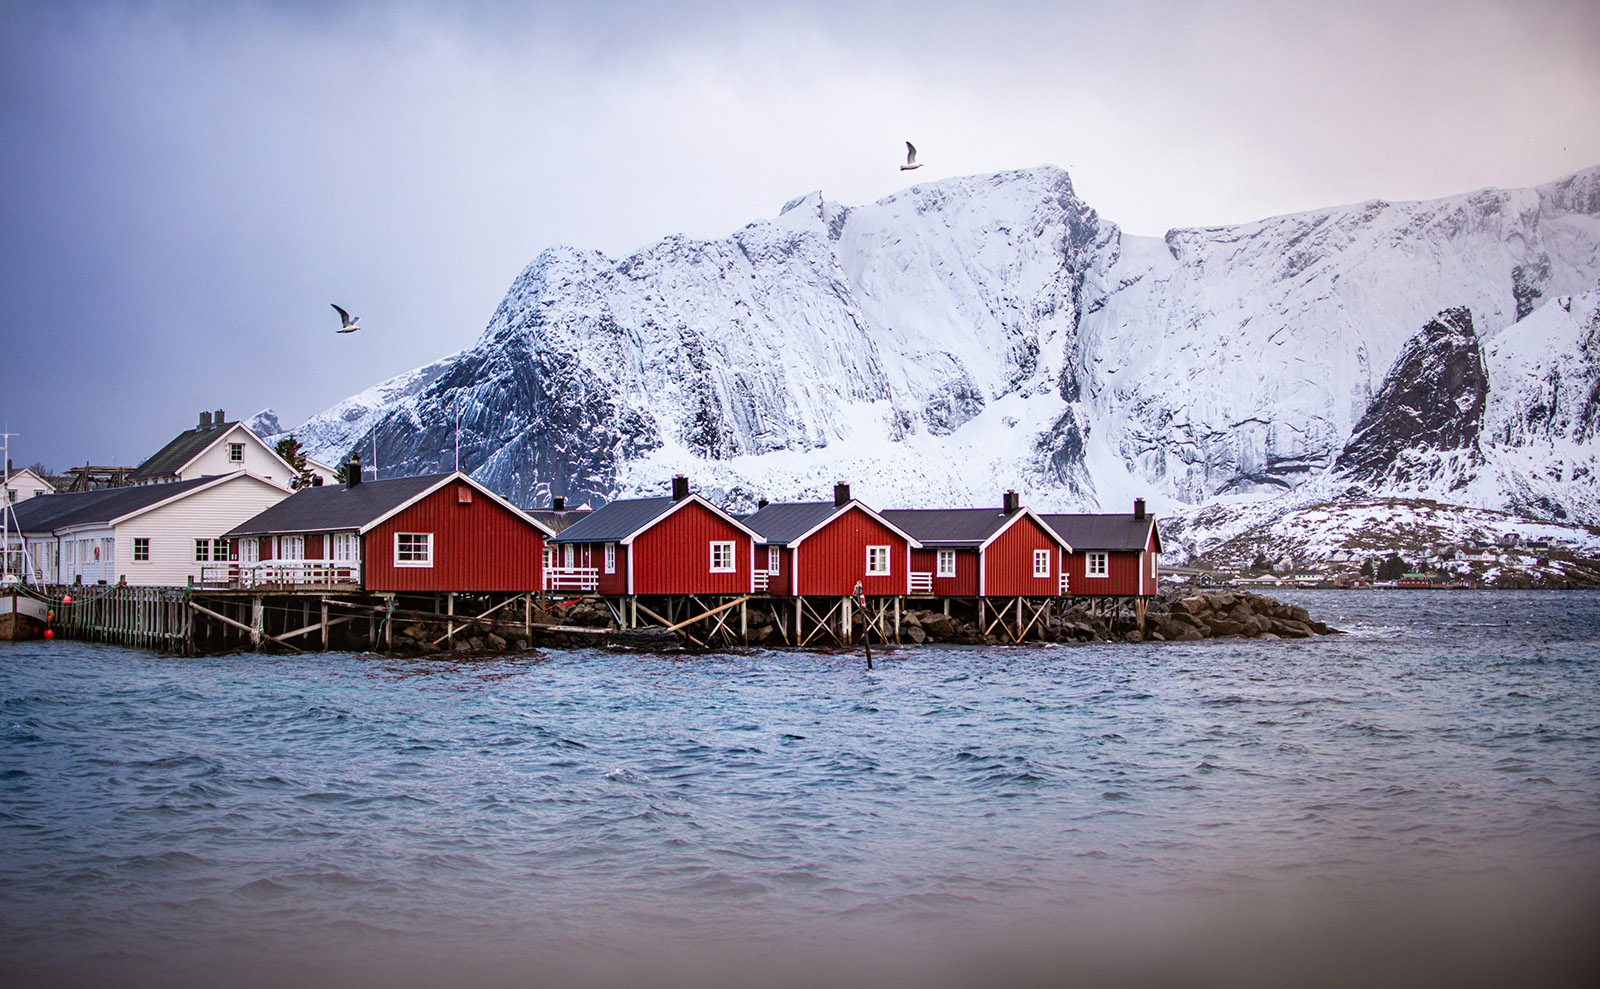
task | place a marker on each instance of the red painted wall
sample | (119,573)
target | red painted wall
(674,555)
(1123,579)
(830,561)
(1008,562)
(963,585)
(479,546)
(778,583)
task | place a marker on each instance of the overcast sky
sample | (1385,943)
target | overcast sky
(186,186)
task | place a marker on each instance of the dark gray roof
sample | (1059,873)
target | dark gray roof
(784,523)
(184,447)
(334,507)
(1122,533)
(616,521)
(558,521)
(949,526)
(50,512)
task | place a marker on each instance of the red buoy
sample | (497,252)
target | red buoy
(49,633)
(66,599)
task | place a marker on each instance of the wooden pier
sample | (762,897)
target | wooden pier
(195,620)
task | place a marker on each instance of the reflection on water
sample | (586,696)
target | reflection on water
(1418,798)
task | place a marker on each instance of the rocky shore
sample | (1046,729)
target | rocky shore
(1172,616)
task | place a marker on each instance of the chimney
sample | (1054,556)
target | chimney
(217,418)
(762,503)
(316,480)
(680,487)
(841,495)
(1012,502)
(205,421)
(1138,509)
(352,472)
(558,504)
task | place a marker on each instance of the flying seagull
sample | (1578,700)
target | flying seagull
(911,158)
(350,325)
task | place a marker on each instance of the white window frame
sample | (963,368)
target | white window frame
(419,549)
(1041,563)
(947,563)
(611,557)
(141,549)
(774,559)
(1097,563)
(878,561)
(723,549)
(344,547)
(250,549)
(292,548)
(202,551)
(235,453)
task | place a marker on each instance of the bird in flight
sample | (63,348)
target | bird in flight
(911,158)
(349,325)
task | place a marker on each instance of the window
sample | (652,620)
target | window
(292,548)
(611,557)
(722,557)
(1041,563)
(1098,565)
(141,549)
(1152,566)
(11,494)
(877,560)
(947,563)
(344,547)
(235,453)
(549,557)
(413,549)
(774,560)
(205,550)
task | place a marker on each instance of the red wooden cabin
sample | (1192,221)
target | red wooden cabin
(822,549)
(1112,555)
(676,545)
(439,533)
(984,552)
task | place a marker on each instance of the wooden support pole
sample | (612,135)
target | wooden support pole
(325,627)
(450,626)
(258,619)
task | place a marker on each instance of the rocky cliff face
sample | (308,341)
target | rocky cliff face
(1423,424)
(971,335)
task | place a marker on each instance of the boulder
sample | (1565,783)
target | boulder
(494,642)
(914,633)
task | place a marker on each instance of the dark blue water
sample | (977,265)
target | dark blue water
(601,816)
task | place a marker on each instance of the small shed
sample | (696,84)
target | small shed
(822,549)
(675,545)
(984,552)
(1112,555)
(436,533)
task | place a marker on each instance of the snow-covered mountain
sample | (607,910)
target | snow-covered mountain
(990,332)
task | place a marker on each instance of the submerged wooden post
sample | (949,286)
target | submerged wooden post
(324,623)
(258,619)
(450,626)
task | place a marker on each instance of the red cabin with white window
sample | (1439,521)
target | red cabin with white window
(439,533)
(984,552)
(676,545)
(1113,555)
(822,549)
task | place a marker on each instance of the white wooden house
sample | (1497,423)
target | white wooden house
(214,446)
(158,535)
(24,484)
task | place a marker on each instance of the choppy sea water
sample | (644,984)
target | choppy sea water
(1415,801)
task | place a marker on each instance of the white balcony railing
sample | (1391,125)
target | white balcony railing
(282,573)
(921,583)
(762,577)
(1063,591)
(571,578)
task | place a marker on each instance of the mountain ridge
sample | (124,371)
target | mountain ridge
(960,337)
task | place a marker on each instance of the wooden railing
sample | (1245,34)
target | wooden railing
(281,573)
(571,578)
(1063,591)
(761,580)
(921,583)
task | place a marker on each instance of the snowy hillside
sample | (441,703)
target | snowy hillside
(976,334)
